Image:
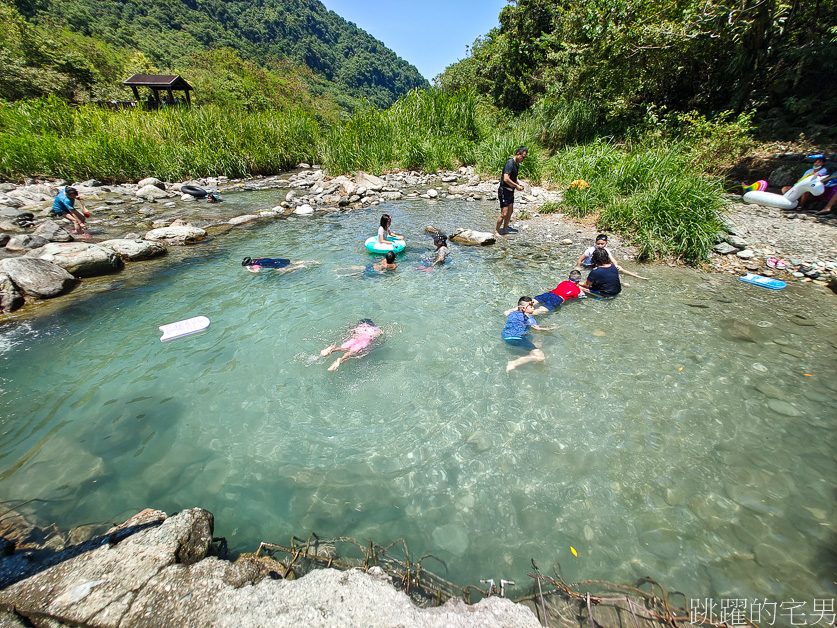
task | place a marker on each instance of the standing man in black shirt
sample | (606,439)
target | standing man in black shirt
(505,193)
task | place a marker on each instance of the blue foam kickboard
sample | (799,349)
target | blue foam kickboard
(764,282)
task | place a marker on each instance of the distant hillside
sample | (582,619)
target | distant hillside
(345,60)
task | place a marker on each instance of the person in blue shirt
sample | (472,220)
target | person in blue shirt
(516,333)
(64,207)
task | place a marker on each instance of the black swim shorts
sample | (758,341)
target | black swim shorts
(506,197)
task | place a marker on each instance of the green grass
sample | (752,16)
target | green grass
(654,195)
(50,138)
(655,192)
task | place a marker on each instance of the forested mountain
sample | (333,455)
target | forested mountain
(344,60)
(777,57)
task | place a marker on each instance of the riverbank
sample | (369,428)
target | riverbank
(134,222)
(158,570)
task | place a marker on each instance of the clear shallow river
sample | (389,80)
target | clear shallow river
(683,431)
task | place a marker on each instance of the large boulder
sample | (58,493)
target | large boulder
(25,242)
(151,181)
(176,236)
(38,278)
(10,296)
(469,236)
(151,193)
(30,197)
(53,231)
(391,196)
(82,259)
(304,210)
(135,249)
(369,181)
(10,201)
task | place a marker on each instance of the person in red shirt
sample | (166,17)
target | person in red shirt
(564,291)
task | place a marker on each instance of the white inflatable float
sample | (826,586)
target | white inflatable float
(788,200)
(183,328)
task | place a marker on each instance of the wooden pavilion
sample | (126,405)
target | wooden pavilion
(157,83)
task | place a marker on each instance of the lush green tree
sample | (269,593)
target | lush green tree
(346,61)
(623,55)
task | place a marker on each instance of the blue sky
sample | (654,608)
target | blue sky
(431,34)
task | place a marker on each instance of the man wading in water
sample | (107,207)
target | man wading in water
(505,193)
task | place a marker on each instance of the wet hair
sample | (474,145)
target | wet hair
(575,275)
(368,321)
(440,238)
(246,261)
(390,257)
(70,190)
(601,236)
(520,150)
(386,220)
(600,257)
(523,301)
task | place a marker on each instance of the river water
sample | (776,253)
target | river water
(683,431)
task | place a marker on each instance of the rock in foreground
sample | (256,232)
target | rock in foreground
(38,278)
(154,571)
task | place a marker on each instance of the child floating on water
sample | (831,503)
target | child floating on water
(382,266)
(564,291)
(282,265)
(357,345)
(516,333)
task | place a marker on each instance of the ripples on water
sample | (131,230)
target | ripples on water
(673,432)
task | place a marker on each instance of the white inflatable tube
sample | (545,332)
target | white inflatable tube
(769,199)
(788,200)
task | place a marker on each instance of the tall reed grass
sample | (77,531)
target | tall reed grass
(425,130)
(655,195)
(51,138)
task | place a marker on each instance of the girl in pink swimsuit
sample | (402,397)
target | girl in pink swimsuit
(356,345)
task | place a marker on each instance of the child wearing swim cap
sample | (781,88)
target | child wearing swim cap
(357,345)
(440,240)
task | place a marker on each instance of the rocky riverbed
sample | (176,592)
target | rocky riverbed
(159,570)
(40,258)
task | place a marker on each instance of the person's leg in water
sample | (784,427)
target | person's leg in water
(535,355)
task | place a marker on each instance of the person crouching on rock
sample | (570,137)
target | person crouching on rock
(64,207)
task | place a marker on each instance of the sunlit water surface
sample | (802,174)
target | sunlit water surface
(682,431)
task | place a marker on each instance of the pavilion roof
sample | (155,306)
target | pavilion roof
(163,81)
